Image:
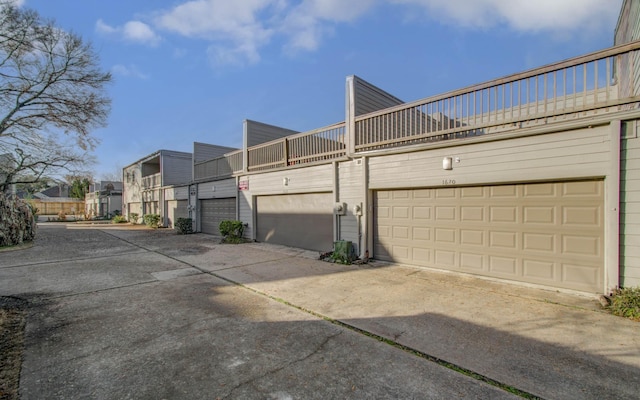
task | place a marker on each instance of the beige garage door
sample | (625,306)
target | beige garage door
(297,220)
(213,211)
(544,233)
(176,209)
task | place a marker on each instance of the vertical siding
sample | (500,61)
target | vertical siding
(369,98)
(351,192)
(204,151)
(630,208)
(176,168)
(628,30)
(256,133)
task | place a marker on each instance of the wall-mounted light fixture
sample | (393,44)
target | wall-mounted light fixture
(447,163)
(285,181)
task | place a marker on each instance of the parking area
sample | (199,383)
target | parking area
(116,313)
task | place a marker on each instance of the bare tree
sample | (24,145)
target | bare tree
(52,95)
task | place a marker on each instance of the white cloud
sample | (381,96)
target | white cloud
(132,31)
(309,22)
(236,31)
(128,71)
(140,32)
(522,15)
(233,26)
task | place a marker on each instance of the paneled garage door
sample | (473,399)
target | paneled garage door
(297,220)
(544,233)
(213,211)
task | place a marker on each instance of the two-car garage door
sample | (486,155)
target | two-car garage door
(544,233)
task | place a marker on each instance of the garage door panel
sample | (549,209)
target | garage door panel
(546,233)
(298,220)
(213,211)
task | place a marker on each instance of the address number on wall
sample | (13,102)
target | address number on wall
(447,182)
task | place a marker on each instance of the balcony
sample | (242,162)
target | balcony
(152,181)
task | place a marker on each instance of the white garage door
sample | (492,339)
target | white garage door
(298,220)
(213,211)
(544,233)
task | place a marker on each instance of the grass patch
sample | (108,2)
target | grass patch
(626,303)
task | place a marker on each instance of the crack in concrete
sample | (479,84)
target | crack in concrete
(251,381)
(69,260)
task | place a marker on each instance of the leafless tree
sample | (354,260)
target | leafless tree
(52,95)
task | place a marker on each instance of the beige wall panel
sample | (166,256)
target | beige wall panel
(245,212)
(351,191)
(543,233)
(300,180)
(217,189)
(566,155)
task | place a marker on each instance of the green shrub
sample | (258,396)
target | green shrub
(133,218)
(231,231)
(184,226)
(626,303)
(118,219)
(151,220)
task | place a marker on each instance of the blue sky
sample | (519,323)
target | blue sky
(188,71)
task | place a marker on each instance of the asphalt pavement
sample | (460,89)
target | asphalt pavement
(122,312)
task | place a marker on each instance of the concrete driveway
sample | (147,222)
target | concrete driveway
(117,313)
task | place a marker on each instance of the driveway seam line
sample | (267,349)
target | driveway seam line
(420,354)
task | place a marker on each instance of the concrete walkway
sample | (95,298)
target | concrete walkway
(122,313)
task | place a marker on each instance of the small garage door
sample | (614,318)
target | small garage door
(297,220)
(176,209)
(544,233)
(212,211)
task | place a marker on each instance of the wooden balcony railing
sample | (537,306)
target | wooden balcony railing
(586,85)
(319,145)
(220,167)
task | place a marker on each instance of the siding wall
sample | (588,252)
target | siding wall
(204,151)
(181,193)
(630,206)
(351,178)
(628,30)
(580,153)
(369,98)
(176,168)
(245,212)
(217,189)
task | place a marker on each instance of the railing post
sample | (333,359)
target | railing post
(285,149)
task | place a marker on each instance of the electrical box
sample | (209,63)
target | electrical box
(357,210)
(340,208)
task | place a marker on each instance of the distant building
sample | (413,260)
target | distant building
(104,199)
